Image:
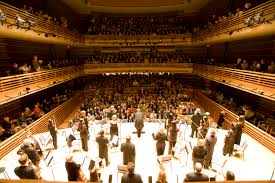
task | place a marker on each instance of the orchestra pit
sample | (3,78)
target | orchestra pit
(137,91)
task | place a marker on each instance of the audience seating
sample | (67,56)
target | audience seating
(267,124)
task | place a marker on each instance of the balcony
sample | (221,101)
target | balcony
(15,87)
(234,28)
(53,33)
(124,67)
(261,84)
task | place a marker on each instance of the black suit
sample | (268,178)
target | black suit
(131,178)
(129,152)
(139,124)
(195,177)
(25,172)
(53,133)
(161,138)
(103,147)
(84,136)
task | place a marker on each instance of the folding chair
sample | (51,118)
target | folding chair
(220,166)
(240,149)
(165,159)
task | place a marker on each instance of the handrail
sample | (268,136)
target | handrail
(59,114)
(262,84)
(209,105)
(13,87)
(237,22)
(136,67)
(40,25)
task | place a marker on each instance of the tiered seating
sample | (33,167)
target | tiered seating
(236,23)
(254,82)
(41,26)
(59,114)
(14,87)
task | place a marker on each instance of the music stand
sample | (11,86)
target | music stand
(49,160)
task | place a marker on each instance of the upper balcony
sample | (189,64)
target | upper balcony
(14,87)
(42,31)
(227,30)
(262,84)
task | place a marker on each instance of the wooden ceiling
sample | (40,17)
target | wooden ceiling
(136,6)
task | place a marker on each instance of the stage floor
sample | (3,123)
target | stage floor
(258,164)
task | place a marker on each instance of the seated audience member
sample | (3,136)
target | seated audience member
(15,70)
(263,66)
(248,113)
(23,119)
(244,65)
(28,114)
(238,64)
(196,176)
(37,112)
(4,134)
(25,69)
(25,170)
(229,175)
(271,68)
(2,17)
(10,125)
(131,176)
(32,153)
(199,152)
(74,170)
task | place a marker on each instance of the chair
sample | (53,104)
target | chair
(165,159)
(221,166)
(240,149)
(267,124)
(3,170)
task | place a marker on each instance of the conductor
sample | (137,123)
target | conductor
(139,123)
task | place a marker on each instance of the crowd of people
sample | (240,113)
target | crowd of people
(140,57)
(11,124)
(62,21)
(112,104)
(38,65)
(257,65)
(140,25)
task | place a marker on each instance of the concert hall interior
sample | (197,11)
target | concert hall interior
(137,91)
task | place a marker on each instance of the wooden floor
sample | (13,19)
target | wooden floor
(258,163)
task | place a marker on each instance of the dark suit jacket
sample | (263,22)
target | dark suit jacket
(25,172)
(131,178)
(102,146)
(129,152)
(195,177)
(139,116)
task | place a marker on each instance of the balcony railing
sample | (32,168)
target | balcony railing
(236,23)
(138,40)
(41,26)
(14,87)
(215,109)
(133,67)
(258,83)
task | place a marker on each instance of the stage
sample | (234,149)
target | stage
(257,165)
